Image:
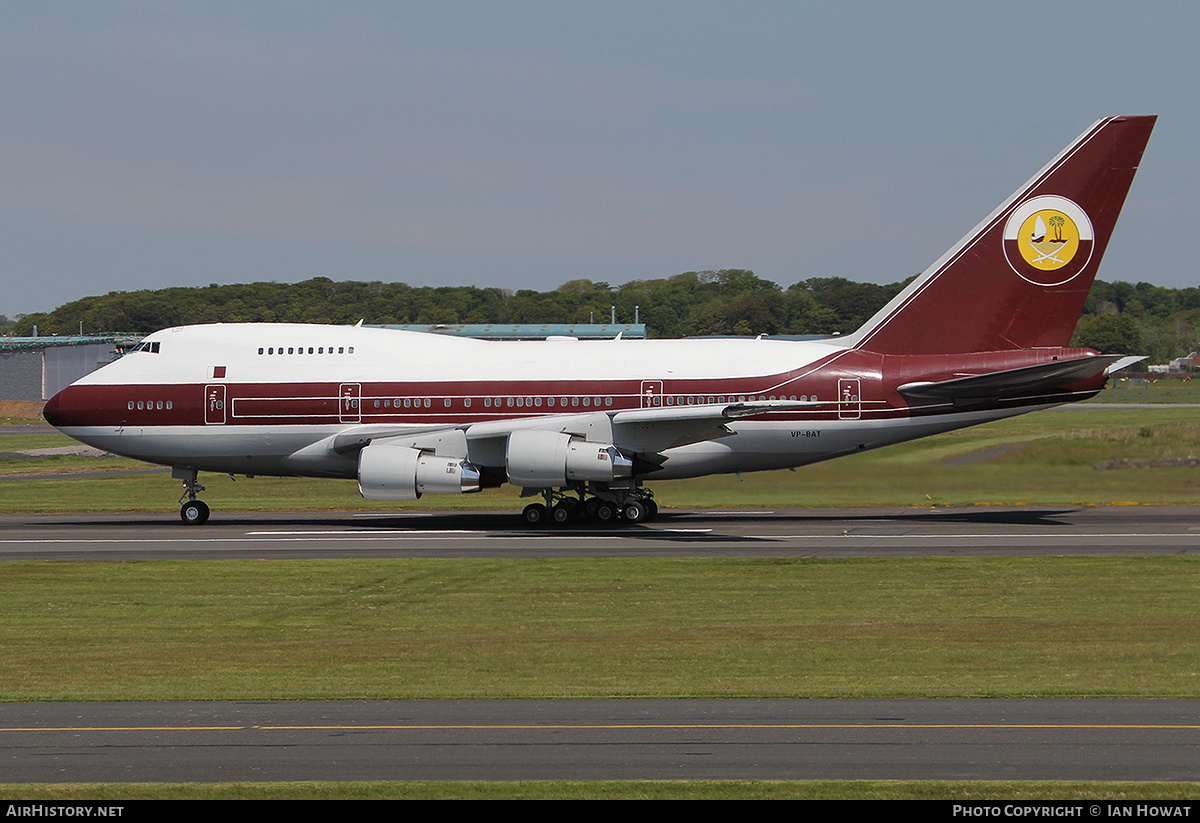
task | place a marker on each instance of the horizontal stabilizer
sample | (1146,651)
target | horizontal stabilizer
(1046,378)
(1125,362)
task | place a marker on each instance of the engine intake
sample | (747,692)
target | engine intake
(387,472)
(542,459)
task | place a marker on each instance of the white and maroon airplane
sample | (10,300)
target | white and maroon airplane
(980,335)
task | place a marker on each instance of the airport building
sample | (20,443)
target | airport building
(37,368)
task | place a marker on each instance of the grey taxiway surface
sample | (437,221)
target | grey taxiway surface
(605,739)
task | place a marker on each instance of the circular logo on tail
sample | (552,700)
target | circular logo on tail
(1048,240)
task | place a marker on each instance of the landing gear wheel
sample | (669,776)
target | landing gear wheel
(194,513)
(589,508)
(535,514)
(635,512)
(562,514)
(606,512)
(651,508)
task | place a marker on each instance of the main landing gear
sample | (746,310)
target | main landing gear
(194,512)
(604,505)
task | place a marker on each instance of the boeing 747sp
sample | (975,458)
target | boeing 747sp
(981,335)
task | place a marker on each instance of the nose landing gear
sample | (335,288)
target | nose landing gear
(194,512)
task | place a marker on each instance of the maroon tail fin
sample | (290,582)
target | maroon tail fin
(1019,280)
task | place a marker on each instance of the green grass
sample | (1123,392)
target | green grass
(1166,390)
(967,791)
(1052,462)
(409,628)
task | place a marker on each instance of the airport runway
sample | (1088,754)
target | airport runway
(602,740)
(971,531)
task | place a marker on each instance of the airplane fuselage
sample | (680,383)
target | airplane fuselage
(251,398)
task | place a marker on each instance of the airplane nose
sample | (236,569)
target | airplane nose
(53,410)
(61,410)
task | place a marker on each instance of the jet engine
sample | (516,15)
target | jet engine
(544,459)
(394,472)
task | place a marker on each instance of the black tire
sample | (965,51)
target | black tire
(194,513)
(535,514)
(635,512)
(562,514)
(606,512)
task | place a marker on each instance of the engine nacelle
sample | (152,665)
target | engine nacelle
(389,472)
(543,459)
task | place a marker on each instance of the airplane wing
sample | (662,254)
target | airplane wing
(1046,378)
(646,430)
(656,429)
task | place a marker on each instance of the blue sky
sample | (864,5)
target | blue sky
(526,144)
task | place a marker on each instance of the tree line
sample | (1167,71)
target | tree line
(1118,317)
